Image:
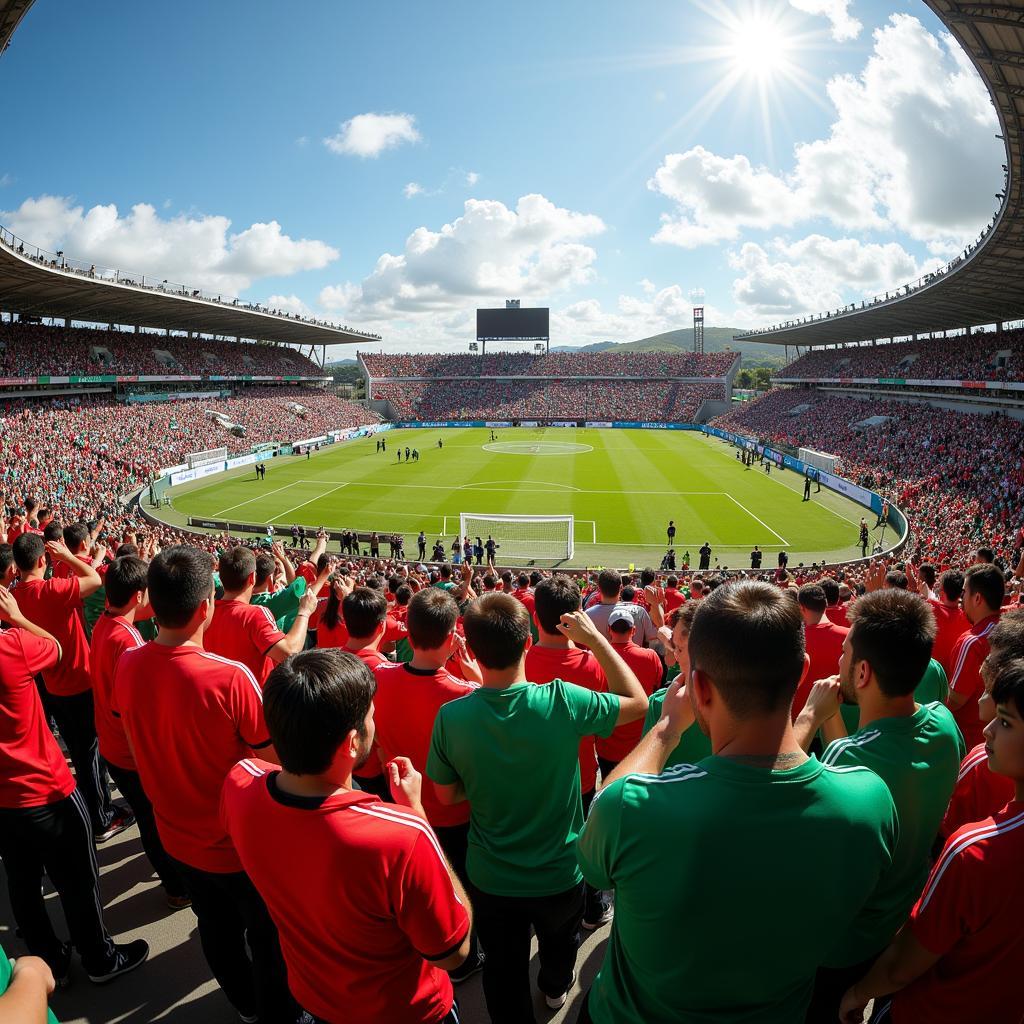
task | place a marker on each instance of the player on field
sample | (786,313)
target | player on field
(738,825)
(510,749)
(915,749)
(958,957)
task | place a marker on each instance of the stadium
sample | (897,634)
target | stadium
(150,428)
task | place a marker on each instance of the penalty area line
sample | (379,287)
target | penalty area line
(281,515)
(264,494)
(756,519)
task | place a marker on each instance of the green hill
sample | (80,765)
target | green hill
(716,339)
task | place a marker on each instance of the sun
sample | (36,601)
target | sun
(759,47)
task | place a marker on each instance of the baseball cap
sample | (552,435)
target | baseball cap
(621,615)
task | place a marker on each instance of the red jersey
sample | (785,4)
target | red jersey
(647,667)
(244,632)
(572,665)
(979,792)
(524,596)
(191,716)
(673,599)
(33,771)
(404,708)
(951,624)
(824,648)
(56,606)
(969,651)
(970,914)
(111,637)
(372,904)
(837,614)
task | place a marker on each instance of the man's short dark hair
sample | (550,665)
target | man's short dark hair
(895,579)
(6,557)
(1008,687)
(683,615)
(506,579)
(236,566)
(363,611)
(179,579)
(951,583)
(522,580)
(647,577)
(927,572)
(490,581)
(985,555)
(672,581)
(311,702)
(125,577)
(53,531)
(431,619)
(893,631)
(747,637)
(265,566)
(126,549)
(554,598)
(28,549)
(1005,641)
(609,582)
(403,595)
(446,571)
(987,581)
(535,578)
(76,535)
(812,597)
(497,628)
(830,588)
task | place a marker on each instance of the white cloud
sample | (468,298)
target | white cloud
(844,25)
(5,180)
(648,287)
(472,178)
(198,251)
(911,148)
(785,279)
(288,304)
(368,135)
(412,190)
(488,253)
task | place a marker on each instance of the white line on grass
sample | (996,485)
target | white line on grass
(264,494)
(281,515)
(485,485)
(761,521)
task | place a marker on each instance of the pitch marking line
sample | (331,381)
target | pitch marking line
(761,521)
(485,485)
(281,515)
(264,494)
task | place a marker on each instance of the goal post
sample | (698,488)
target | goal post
(523,539)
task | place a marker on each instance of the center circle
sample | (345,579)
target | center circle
(537,448)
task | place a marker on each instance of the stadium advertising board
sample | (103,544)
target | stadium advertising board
(196,474)
(859,494)
(528,423)
(562,423)
(439,423)
(241,460)
(513,324)
(322,439)
(497,423)
(599,423)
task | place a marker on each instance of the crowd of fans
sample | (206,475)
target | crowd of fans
(958,476)
(455,757)
(619,399)
(957,358)
(32,350)
(648,365)
(79,456)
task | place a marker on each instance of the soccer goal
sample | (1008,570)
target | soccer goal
(523,539)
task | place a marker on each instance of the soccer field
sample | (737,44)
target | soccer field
(622,487)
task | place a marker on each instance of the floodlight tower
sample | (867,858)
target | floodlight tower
(698,329)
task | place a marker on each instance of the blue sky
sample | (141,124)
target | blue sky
(324,155)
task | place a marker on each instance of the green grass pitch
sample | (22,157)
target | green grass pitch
(622,486)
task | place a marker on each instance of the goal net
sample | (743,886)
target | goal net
(522,539)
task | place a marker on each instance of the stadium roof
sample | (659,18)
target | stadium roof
(986,284)
(38,283)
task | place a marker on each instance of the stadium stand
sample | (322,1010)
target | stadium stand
(959,476)
(980,357)
(30,350)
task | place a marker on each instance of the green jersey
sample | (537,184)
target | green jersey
(750,858)
(693,746)
(918,757)
(283,604)
(933,687)
(516,752)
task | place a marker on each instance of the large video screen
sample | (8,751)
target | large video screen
(512,324)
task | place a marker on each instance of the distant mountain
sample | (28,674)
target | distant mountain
(331,363)
(716,339)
